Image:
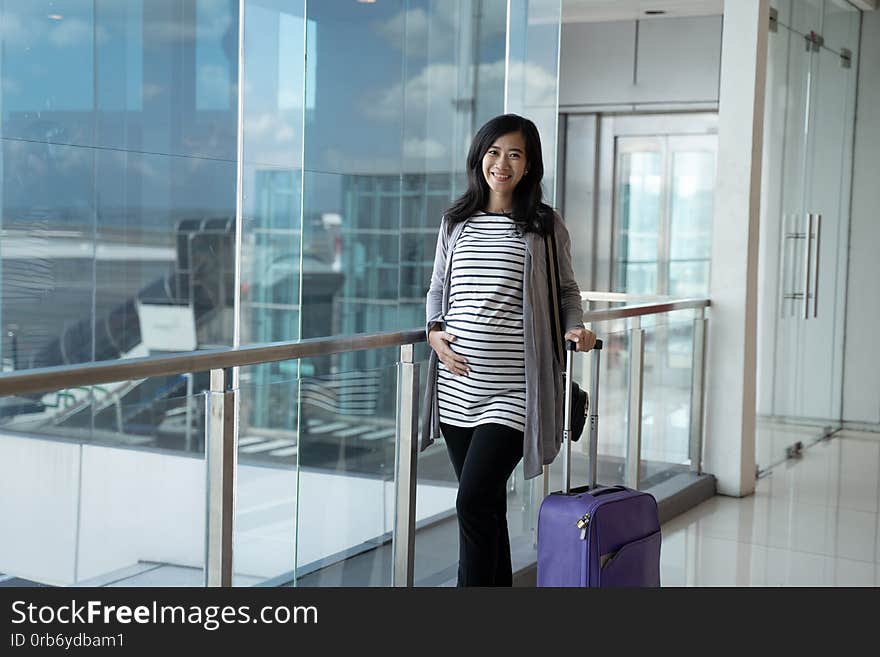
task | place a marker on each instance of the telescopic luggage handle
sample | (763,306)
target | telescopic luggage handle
(593,457)
(569,345)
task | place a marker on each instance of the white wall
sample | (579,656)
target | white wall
(139,506)
(673,61)
(73,513)
(39,496)
(861,374)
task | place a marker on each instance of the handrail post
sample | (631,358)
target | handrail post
(636,380)
(189,409)
(221,442)
(405,469)
(698,373)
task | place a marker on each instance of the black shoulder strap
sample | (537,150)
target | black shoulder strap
(555,300)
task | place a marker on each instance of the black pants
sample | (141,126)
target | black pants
(483,458)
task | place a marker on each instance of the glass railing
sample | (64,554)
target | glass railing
(652,387)
(100,505)
(323,485)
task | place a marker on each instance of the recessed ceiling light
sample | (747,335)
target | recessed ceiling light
(367,2)
(56,17)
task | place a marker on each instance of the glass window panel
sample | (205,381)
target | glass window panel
(693,189)
(640,278)
(806,15)
(532,79)
(117,206)
(112,184)
(613,401)
(689,279)
(359,165)
(639,198)
(666,399)
(452,54)
(48,71)
(273,252)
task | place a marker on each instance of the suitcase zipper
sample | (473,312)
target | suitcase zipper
(582,525)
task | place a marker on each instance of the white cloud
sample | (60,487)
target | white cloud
(415,31)
(11,30)
(423,148)
(30,30)
(213,85)
(394,29)
(342,162)
(10,86)
(531,85)
(435,86)
(437,79)
(70,32)
(143,166)
(152,90)
(215,22)
(29,26)
(267,126)
(272,139)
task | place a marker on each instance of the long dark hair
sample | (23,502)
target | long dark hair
(529,211)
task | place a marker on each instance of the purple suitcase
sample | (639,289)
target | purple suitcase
(596,536)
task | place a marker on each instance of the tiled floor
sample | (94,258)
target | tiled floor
(812,521)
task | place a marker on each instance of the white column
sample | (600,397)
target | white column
(730,406)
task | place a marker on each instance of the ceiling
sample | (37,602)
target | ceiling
(584,11)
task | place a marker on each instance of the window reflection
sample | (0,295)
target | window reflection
(118,192)
(117,196)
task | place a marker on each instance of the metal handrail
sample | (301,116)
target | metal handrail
(46,379)
(223,410)
(617,297)
(642,309)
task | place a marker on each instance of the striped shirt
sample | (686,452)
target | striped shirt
(486,316)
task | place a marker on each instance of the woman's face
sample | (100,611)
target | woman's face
(504,164)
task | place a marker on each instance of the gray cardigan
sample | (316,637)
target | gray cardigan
(544,395)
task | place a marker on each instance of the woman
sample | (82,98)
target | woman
(494,388)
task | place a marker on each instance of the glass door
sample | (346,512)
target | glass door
(827,222)
(809,119)
(691,205)
(663,205)
(641,197)
(799,85)
(664,192)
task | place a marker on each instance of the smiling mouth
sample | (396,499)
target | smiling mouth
(501,178)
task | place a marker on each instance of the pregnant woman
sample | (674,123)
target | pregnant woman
(494,388)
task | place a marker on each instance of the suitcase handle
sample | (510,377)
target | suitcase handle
(593,419)
(569,345)
(611,489)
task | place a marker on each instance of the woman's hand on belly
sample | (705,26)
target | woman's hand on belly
(440,341)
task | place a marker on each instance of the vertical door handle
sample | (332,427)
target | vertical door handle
(788,263)
(808,240)
(783,269)
(816,266)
